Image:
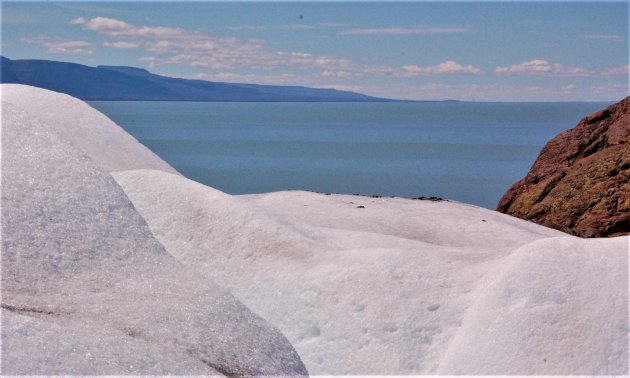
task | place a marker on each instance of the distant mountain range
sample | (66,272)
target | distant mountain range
(130,83)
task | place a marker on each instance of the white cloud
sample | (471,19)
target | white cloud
(120,45)
(542,68)
(108,26)
(448,67)
(78,21)
(62,46)
(610,91)
(230,77)
(422,30)
(497,92)
(617,71)
(175,46)
(198,49)
(339,74)
(118,28)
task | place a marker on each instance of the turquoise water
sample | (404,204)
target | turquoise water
(469,152)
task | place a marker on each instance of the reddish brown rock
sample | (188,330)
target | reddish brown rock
(579,183)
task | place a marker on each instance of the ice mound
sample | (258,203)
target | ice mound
(111,277)
(365,285)
(446,223)
(559,306)
(77,123)
(86,288)
(204,219)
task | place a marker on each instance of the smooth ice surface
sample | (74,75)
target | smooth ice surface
(559,306)
(77,123)
(365,285)
(87,289)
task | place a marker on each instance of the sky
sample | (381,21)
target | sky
(475,51)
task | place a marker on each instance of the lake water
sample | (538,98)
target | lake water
(469,152)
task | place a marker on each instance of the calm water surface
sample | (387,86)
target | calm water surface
(469,152)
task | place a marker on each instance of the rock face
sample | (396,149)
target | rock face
(579,183)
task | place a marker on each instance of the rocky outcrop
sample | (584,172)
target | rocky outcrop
(579,183)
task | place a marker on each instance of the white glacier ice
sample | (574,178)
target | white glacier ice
(110,253)
(87,289)
(391,288)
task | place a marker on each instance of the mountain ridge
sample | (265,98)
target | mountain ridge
(120,83)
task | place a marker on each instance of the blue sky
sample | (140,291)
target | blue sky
(482,51)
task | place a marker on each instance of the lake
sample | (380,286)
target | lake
(468,152)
